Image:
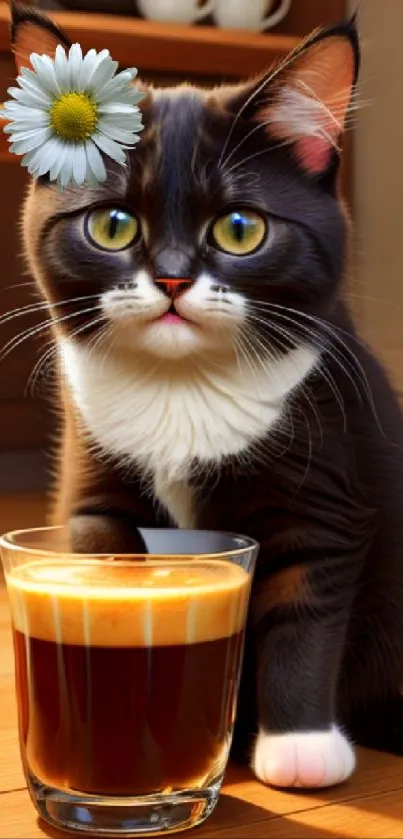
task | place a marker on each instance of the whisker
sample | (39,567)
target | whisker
(369,298)
(27,309)
(245,346)
(30,308)
(83,327)
(19,285)
(324,348)
(255,93)
(111,334)
(325,372)
(333,332)
(15,342)
(23,336)
(244,140)
(310,451)
(274,361)
(51,352)
(244,160)
(304,390)
(96,341)
(42,362)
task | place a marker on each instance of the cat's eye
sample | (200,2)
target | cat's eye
(239,232)
(111,229)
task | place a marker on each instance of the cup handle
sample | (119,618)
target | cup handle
(205,10)
(277,16)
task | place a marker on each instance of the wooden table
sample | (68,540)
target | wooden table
(371,805)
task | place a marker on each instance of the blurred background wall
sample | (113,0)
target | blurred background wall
(378,181)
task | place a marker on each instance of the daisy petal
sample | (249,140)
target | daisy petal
(95,63)
(35,89)
(37,140)
(25,97)
(104,73)
(39,121)
(35,81)
(36,162)
(128,97)
(42,161)
(30,161)
(121,79)
(129,117)
(129,120)
(66,171)
(74,63)
(95,161)
(117,89)
(44,67)
(130,72)
(87,68)
(53,150)
(59,162)
(79,164)
(33,131)
(11,106)
(121,135)
(27,73)
(17,113)
(62,69)
(128,124)
(90,180)
(25,161)
(25,146)
(116,108)
(134,94)
(110,148)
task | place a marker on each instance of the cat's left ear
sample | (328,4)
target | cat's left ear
(306,100)
(33,32)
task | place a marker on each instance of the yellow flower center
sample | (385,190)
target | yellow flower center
(74,116)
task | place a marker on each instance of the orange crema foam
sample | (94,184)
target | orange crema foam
(108,604)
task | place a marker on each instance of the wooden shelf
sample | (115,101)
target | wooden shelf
(149,45)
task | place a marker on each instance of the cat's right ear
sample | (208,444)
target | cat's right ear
(33,32)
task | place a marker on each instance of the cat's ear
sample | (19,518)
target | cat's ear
(33,32)
(305,101)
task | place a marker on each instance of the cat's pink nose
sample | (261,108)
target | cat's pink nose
(173,287)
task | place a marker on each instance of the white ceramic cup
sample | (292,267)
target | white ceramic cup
(249,14)
(177,11)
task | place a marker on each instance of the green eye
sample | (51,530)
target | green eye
(239,232)
(112,229)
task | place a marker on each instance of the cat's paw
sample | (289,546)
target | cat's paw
(308,759)
(104,534)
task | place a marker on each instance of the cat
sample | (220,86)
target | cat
(211,376)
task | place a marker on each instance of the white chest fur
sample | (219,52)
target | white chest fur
(140,412)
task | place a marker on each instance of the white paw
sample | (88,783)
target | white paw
(308,759)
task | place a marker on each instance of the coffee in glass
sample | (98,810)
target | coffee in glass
(127,673)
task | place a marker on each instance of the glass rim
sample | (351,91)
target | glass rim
(9,541)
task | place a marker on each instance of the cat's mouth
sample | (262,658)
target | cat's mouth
(172,316)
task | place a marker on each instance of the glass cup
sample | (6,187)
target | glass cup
(127,673)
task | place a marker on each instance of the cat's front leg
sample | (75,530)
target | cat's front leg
(301,616)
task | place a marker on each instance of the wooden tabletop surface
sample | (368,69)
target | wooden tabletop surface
(370,805)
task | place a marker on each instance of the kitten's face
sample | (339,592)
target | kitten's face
(219,207)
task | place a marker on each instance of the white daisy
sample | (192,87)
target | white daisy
(68,111)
